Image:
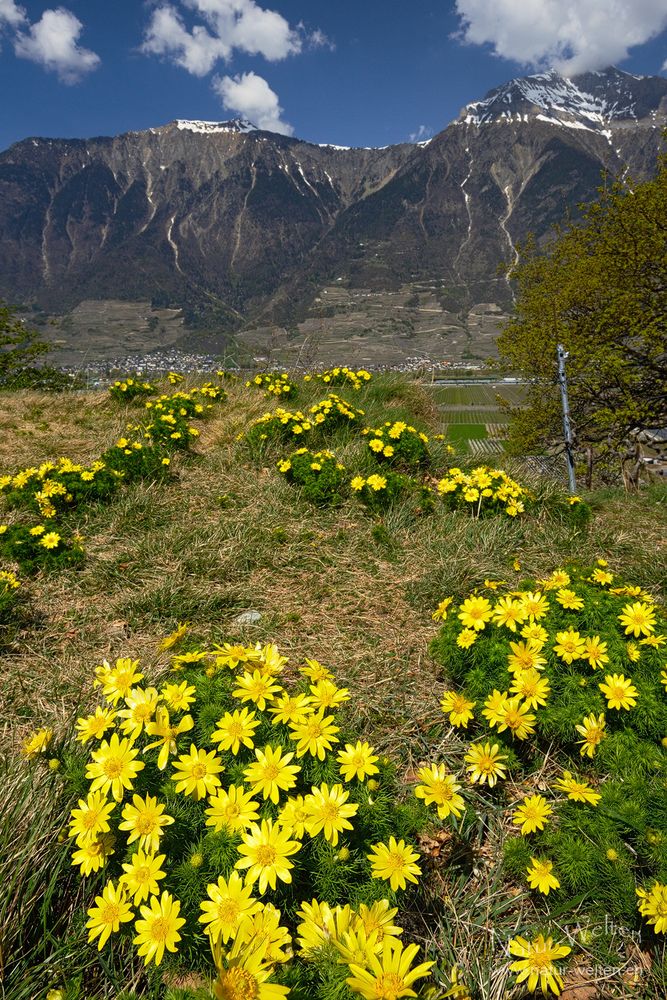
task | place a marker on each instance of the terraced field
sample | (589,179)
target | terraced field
(472,417)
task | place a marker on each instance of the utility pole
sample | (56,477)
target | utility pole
(563,355)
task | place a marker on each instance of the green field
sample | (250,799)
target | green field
(478,395)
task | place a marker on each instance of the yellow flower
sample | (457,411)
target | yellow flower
(537,963)
(535,605)
(233,808)
(118,681)
(235,729)
(394,862)
(141,705)
(376,444)
(197,772)
(391,976)
(167,734)
(578,791)
(532,814)
(111,909)
(569,600)
(595,651)
(494,707)
(271,773)
(325,694)
(653,906)
(634,654)
(315,671)
(229,903)
(440,789)
(532,687)
(601,577)
(51,540)
(243,973)
(534,633)
(92,856)
(376,482)
(157,930)
(466,638)
(315,735)
(265,851)
(293,816)
(592,729)
(638,619)
(619,692)
(175,636)
(93,727)
(179,697)
(328,812)
(357,761)
(142,874)
(440,613)
(290,708)
(485,763)
(515,716)
(145,819)
(475,612)
(509,613)
(458,707)
(91,818)
(357,483)
(569,646)
(114,767)
(256,687)
(37,743)
(540,877)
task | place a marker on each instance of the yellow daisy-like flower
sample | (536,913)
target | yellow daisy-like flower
(197,772)
(592,729)
(569,646)
(485,763)
(638,619)
(653,906)
(328,811)
(535,605)
(264,926)
(142,874)
(157,930)
(118,681)
(355,947)
(92,856)
(602,577)
(178,697)
(390,975)
(290,708)
(540,876)
(569,600)
(315,671)
(37,744)
(167,734)
(440,613)
(494,707)
(619,692)
(271,773)
(466,638)
(440,789)
(234,729)
(315,735)
(357,761)
(532,687)
(595,651)
(357,483)
(535,633)
(256,687)
(233,808)
(265,851)
(394,862)
(229,903)
(458,707)
(515,716)
(525,656)
(509,612)
(325,694)
(141,705)
(578,791)
(376,444)
(91,818)
(50,540)
(93,727)
(244,971)
(145,820)
(111,909)
(536,965)
(475,612)
(532,814)
(114,767)
(293,816)
(656,641)
(634,654)
(378,918)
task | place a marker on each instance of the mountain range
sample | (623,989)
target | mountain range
(245,229)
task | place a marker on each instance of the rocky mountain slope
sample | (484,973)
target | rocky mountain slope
(247,226)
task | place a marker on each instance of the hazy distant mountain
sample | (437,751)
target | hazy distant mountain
(225,215)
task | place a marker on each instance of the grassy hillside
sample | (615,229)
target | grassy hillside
(221,533)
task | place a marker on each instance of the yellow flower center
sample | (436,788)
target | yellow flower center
(266,855)
(112,767)
(110,913)
(160,929)
(443,789)
(235,730)
(616,693)
(389,986)
(142,874)
(513,718)
(142,712)
(540,959)
(228,911)
(199,771)
(314,729)
(271,772)
(330,812)
(395,862)
(89,819)
(237,984)
(232,810)
(145,823)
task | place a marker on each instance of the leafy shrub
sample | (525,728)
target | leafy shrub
(273,383)
(400,444)
(42,546)
(318,473)
(130,388)
(329,414)
(9,594)
(483,491)
(340,376)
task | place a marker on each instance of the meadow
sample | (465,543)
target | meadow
(419,637)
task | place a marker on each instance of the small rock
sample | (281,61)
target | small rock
(248,618)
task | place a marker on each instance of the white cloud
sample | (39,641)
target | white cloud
(52,42)
(250,96)
(423,133)
(570,35)
(228,25)
(11,14)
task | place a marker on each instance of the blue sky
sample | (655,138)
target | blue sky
(366,73)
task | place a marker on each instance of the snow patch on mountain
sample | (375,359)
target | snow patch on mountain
(209,128)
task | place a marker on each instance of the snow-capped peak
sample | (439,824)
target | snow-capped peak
(208,128)
(589,100)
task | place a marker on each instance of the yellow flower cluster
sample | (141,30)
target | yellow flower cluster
(332,409)
(45,490)
(373,482)
(128,388)
(653,906)
(341,376)
(8,581)
(137,734)
(274,383)
(485,488)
